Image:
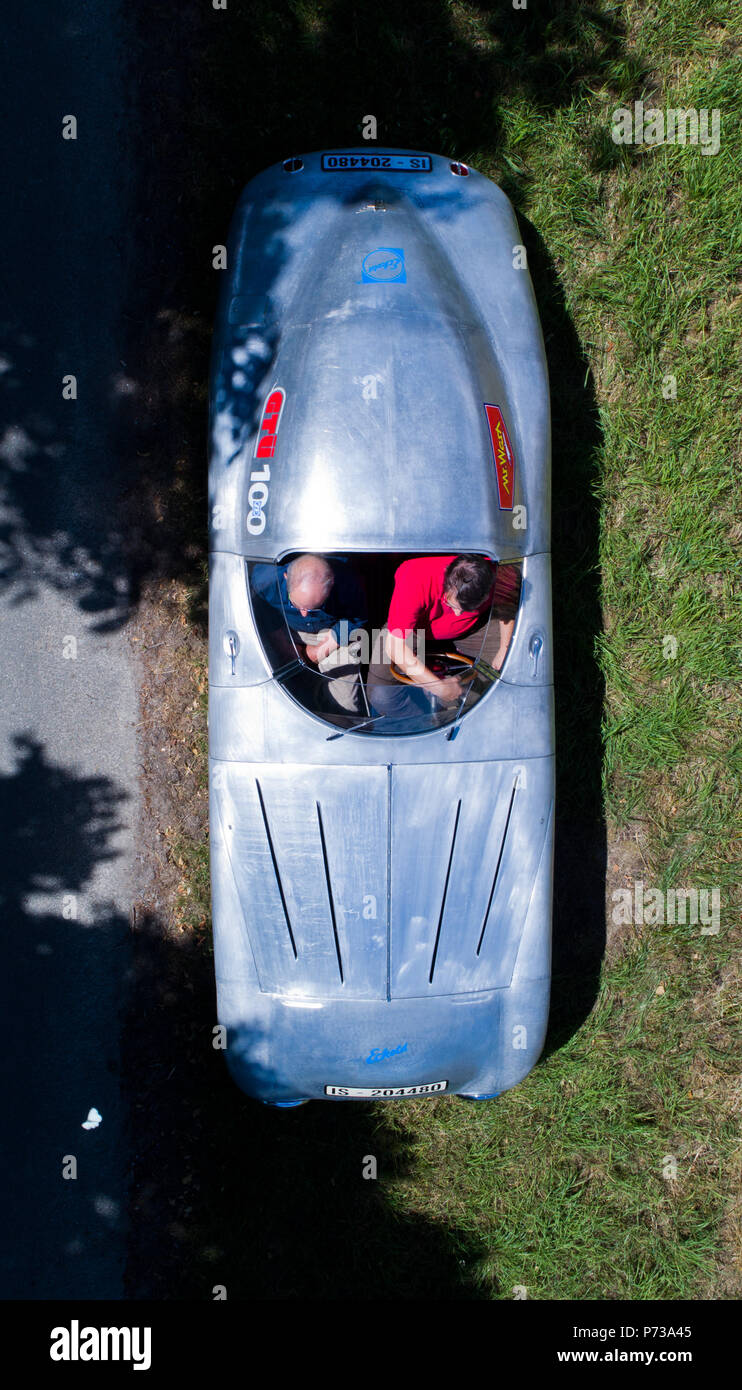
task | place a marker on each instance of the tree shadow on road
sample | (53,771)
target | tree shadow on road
(65,970)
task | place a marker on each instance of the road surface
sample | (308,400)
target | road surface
(68,709)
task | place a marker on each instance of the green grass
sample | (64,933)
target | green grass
(604,1175)
(564,1177)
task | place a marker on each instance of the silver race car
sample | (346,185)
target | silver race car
(381,751)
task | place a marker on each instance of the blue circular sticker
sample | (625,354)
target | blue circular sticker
(385,264)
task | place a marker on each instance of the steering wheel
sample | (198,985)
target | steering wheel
(441,664)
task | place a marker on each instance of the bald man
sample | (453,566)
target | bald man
(322,602)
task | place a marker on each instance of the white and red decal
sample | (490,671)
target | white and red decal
(504,457)
(265,448)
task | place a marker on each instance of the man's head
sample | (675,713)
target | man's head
(467,582)
(309,580)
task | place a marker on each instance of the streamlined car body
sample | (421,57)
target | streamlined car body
(381,886)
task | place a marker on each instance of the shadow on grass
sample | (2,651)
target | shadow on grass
(579,933)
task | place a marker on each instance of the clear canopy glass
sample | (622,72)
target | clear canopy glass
(356,687)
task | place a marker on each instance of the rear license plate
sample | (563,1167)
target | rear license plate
(408,163)
(384,1092)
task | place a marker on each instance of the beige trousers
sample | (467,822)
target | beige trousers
(345,687)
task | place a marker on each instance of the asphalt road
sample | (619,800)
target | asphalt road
(68,697)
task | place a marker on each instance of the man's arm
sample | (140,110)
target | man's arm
(408,611)
(506,632)
(264,582)
(445,688)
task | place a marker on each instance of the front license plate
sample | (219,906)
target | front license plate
(408,163)
(384,1092)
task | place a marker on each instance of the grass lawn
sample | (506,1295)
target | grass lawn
(613,1171)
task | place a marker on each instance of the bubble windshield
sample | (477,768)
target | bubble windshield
(322,620)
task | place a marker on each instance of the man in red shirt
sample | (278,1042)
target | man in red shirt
(466,600)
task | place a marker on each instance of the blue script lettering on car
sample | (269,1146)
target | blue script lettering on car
(381,1056)
(384,265)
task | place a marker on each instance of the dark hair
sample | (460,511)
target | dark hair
(470,578)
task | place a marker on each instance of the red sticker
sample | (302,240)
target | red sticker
(265,443)
(504,457)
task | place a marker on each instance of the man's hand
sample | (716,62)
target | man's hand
(445,688)
(448,689)
(506,632)
(326,644)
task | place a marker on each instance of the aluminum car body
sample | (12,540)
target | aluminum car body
(381,904)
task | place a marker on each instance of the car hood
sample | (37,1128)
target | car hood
(364,328)
(384,882)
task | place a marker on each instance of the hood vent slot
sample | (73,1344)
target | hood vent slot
(329,893)
(497,866)
(275,868)
(445,890)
